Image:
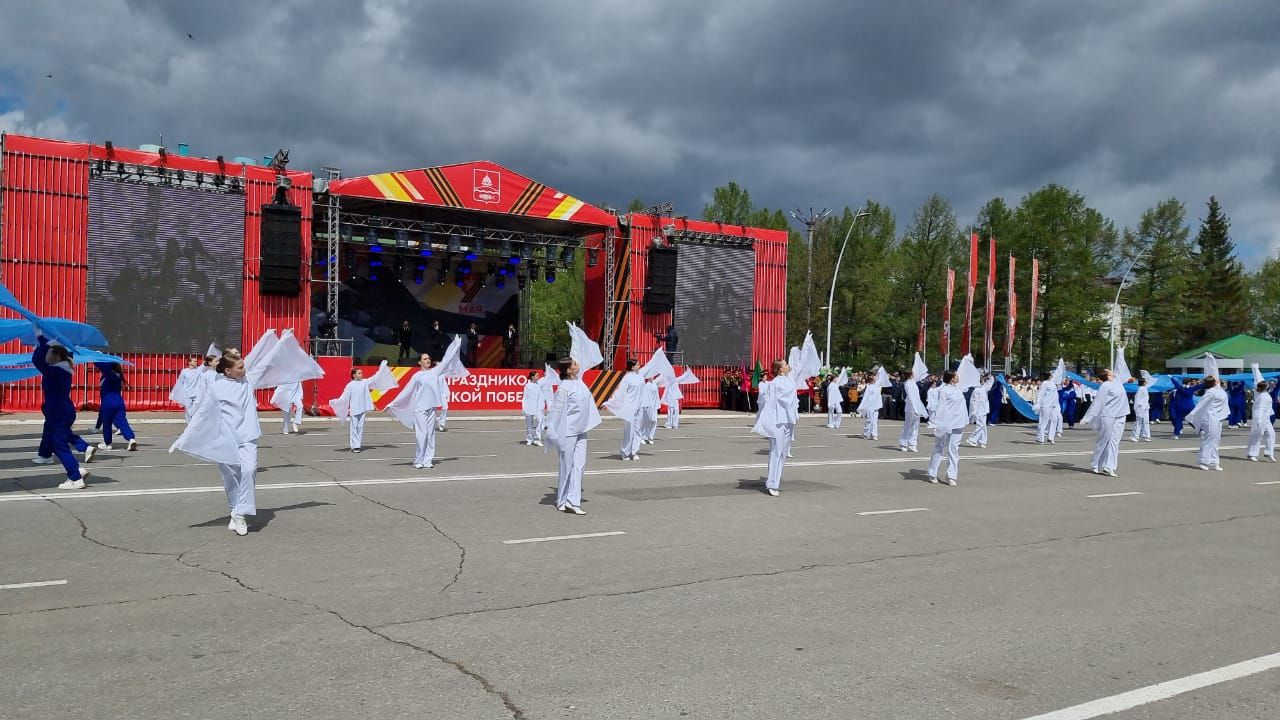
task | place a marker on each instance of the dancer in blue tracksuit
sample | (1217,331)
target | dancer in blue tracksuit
(111,412)
(1236,401)
(1068,401)
(1182,404)
(1157,407)
(57,439)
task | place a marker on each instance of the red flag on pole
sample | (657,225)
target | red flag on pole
(988,338)
(924,308)
(946,314)
(1035,287)
(968,294)
(1013,311)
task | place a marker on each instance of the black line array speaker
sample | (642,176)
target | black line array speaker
(281,237)
(660,294)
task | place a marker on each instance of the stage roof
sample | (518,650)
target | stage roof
(480,186)
(1234,347)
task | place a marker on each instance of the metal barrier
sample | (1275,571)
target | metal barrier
(333,347)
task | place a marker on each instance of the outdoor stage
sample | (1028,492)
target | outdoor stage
(165,253)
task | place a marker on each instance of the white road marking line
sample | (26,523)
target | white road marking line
(42,583)
(891,512)
(1119,494)
(562,537)
(270,467)
(631,470)
(1269,482)
(1163,691)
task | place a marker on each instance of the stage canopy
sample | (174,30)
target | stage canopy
(515,201)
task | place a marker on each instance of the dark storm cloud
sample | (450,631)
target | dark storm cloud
(804,103)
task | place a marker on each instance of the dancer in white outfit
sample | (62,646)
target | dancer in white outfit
(416,406)
(648,411)
(835,410)
(869,406)
(532,405)
(949,418)
(1142,411)
(187,388)
(1207,417)
(1106,415)
(288,398)
(356,401)
(915,408)
(573,414)
(1046,409)
(979,409)
(625,404)
(779,411)
(1262,434)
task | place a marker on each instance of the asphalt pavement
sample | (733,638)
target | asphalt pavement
(368,589)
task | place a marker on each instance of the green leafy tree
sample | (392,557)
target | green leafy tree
(861,328)
(1158,293)
(932,243)
(550,305)
(1218,293)
(730,204)
(636,205)
(1264,300)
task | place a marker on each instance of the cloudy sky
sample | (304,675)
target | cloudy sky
(804,103)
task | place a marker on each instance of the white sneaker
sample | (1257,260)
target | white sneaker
(89,452)
(1095,471)
(982,445)
(1133,439)
(417,466)
(635,458)
(37,460)
(1204,467)
(790,455)
(104,446)
(529,443)
(133,445)
(537,443)
(772,492)
(1217,468)
(428,466)
(914,450)
(238,525)
(1109,473)
(72,484)
(1253,459)
(933,480)
(949,481)
(575,510)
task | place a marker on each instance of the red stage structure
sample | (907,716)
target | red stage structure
(432,218)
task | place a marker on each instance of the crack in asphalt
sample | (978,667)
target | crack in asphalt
(821,566)
(113,602)
(462,551)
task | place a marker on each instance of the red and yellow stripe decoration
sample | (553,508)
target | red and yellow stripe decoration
(481,186)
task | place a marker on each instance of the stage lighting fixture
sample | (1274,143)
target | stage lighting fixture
(120,169)
(371,236)
(235,183)
(455,244)
(593,257)
(199,179)
(345,233)
(513,260)
(182,176)
(459,277)
(417,273)
(375,263)
(464,267)
(520,282)
(219,181)
(442,272)
(533,271)
(162,174)
(506,247)
(425,252)
(526,252)
(402,239)
(566,257)
(501,282)
(110,148)
(550,275)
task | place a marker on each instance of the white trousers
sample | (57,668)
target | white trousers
(1044,429)
(1055,423)
(189,409)
(648,427)
(573,460)
(673,415)
(630,440)
(238,481)
(444,416)
(1142,425)
(1260,436)
(834,416)
(778,449)
(1106,453)
(533,428)
(292,418)
(871,426)
(356,431)
(1210,439)
(948,443)
(979,434)
(424,430)
(910,431)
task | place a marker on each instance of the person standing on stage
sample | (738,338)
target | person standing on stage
(776,420)
(57,439)
(356,401)
(1262,435)
(510,342)
(531,405)
(1142,412)
(648,411)
(626,405)
(405,336)
(573,415)
(1107,414)
(979,409)
(436,340)
(1207,417)
(288,397)
(473,346)
(1183,403)
(949,417)
(1046,409)
(111,410)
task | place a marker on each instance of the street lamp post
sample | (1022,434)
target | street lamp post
(831,297)
(1115,305)
(810,221)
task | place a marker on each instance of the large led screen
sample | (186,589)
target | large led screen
(166,266)
(715,293)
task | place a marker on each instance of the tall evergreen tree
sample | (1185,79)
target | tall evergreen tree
(861,329)
(1160,250)
(1264,301)
(1218,295)
(931,244)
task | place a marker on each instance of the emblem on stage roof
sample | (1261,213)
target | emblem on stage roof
(486,186)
